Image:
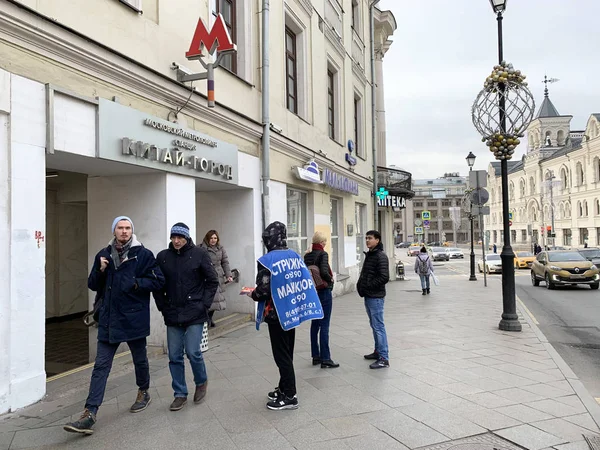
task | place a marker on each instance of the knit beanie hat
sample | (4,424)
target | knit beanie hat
(118,219)
(180,229)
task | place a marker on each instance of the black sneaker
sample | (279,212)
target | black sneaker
(84,425)
(329,364)
(373,355)
(274,395)
(283,402)
(316,361)
(141,402)
(380,364)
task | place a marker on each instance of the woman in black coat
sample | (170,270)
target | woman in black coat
(319,329)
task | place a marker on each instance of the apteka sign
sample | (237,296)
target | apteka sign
(217,38)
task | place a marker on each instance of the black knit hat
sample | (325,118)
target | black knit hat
(180,229)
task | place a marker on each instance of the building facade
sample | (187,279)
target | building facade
(94,124)
(554,188)
(438,196)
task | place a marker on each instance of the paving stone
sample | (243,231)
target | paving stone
(530,438)
(376,440)
(451,425)
(561,428)
(488,419)
(519,395)
(309,433)
(584,421)
(557,409)
(5,439)
(488,400)
(579,445)
(523,413)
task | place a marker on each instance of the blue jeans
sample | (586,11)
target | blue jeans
(374,307)
(322,325)
(188,338)
(424,281)
(104,358)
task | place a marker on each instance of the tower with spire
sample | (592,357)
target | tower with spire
(550,130)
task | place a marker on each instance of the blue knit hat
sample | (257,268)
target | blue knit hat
(180,229)
(118,219)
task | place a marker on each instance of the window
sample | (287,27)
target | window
(358,126)
(597,207)
(418,204)
(564,178)
(523,235)
(446,203)
(531,186)
(360,217)
(334,213)
(331,104)
(567,237)
(585,208)
(597,169)
(228,9)
(355,16)
(579,172)
(297,227)
(291,70)
(579,209)
(136,5)
(417,215)
(583,236)
(522,187)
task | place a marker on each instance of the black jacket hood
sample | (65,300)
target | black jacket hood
(275,236)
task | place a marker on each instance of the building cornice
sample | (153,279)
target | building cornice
(32,34)
(335,41)
(306,6)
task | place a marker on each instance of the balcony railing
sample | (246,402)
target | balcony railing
(395,181)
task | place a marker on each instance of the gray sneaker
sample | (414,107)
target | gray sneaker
(141,402)
(84,425)
(178,403)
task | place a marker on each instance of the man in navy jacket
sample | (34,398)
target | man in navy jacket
(124,274)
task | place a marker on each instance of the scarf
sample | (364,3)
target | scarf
(318,247)
(119,251)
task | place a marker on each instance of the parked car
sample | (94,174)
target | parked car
(455,252)
(439,254)
(493,263)
(524,260)
(564,268)
(403,245)
(434,244)
(591,254)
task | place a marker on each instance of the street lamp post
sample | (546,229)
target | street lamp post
(510,319)
(471,162)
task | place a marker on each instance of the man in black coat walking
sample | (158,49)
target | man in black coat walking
(191,282)
(124,274)
(374,276)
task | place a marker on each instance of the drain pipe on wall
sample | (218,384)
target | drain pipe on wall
(373,114)
(266,117)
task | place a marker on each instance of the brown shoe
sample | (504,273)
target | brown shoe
(200,392)
(178,403)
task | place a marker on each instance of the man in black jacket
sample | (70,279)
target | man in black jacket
(374,276)
(191,282)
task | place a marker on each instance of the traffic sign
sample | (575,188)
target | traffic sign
(483,210)
(426,215)
(418,222)
(480,197)
(510,223)
(510,216)
(418,230)
(426,224)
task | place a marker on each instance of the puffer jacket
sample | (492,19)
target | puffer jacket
(125,311)
(220,262)
(319,257)
(191,283)
(274,238)
(375,274)
(424,262)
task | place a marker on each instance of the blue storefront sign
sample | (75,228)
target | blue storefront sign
(340,182)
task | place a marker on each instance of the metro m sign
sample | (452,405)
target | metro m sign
(217,39)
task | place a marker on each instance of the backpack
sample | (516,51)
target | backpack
(423,266)
(315,273)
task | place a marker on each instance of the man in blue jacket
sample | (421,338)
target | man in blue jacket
(124,274)
(190,287)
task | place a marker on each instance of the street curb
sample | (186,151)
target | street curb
(586,398)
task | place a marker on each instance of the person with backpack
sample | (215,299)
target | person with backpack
(317,261)
(424,268)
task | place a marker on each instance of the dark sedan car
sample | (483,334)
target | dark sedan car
(591,254)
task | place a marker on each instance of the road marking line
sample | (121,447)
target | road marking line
(528,312)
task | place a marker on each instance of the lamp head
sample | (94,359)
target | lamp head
(499,6)
(471,159)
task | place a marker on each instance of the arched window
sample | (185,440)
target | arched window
(522,187)
(548,139)
(585,208)
(568,210)
(533,213)
(560,138)
(561,210)
(597,169)
(579,173)
(530,140)
(499,195)
(531,186)
(579,209)
(493,197)
(597,207)
(564,178)
(546,213)
(512,190)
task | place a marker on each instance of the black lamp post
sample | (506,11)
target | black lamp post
(471,161)
(510,319)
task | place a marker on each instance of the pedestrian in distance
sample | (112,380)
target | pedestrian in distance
(373,277)
(495,249)
(190,285)
(317,261)
(424,268)
(124,274)
(286,296)
(212,244)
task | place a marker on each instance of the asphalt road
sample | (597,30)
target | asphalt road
(569,317)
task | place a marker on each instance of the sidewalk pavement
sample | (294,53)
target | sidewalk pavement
(455,382)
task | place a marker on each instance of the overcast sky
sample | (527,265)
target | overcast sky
(444,49)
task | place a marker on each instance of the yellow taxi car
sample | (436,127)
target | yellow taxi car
(524,260)
(563,268)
